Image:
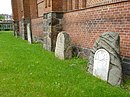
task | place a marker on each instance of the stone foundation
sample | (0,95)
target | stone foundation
(37,39)
(52,25)
(16,28)
(23,29)
(126,65)
(24,23)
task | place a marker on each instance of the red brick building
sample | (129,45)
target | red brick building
(83,20)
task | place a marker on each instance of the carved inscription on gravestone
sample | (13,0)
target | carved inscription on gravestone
(101,64)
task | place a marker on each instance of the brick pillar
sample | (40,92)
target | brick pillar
(52,25)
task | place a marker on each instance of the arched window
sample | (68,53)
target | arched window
(69,4)
(84,2)
(45,3)
(49,3)
(76,4)
(65,4)
(22,8)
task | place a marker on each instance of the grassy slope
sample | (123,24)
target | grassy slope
(29,71)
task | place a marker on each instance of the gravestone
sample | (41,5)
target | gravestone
(29,33)
(63,46)
(101,64)
(107,45)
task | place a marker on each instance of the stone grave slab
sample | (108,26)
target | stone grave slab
(29,33)
(101,64)
(63,48)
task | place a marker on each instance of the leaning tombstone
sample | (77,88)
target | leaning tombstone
(104,60)
(29,33)
(63,48)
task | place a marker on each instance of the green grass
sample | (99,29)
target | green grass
(126,84)
(30,71)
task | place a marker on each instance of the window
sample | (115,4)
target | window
(49,3)
(45,3)
(69,4)
(65,4)
(22,8)
(84,2)
(76,4)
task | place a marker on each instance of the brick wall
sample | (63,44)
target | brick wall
(57,5)
(26,9)
(33,9)
(85,25)
(37,28)
(84,20)
(40,6)
(44,6)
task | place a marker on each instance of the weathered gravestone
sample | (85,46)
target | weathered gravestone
(63,46)
(104,61)
(29,33)
(101,64)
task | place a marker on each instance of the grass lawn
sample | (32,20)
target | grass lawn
(30,71)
